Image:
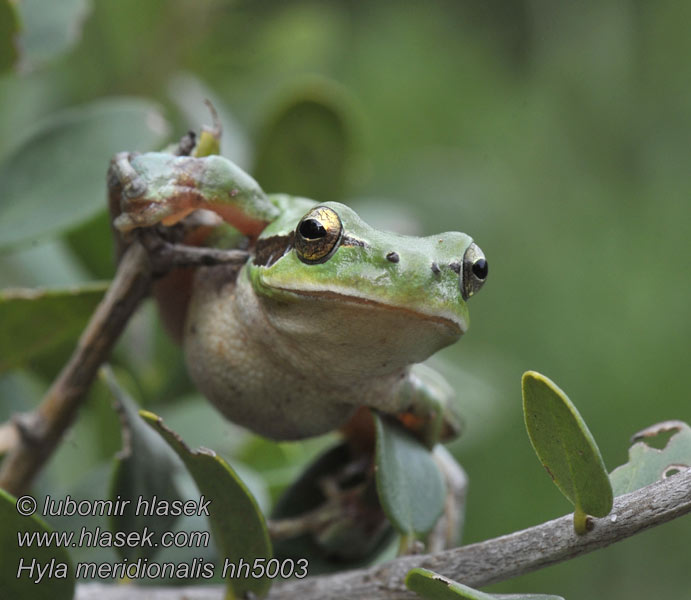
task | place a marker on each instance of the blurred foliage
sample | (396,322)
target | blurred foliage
(555,133)
(62,584)
(9,28)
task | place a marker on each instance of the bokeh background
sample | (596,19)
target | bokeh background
(557,134)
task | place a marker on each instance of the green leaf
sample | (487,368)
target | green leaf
(50,28)
(55,587)
(9,31)
(145,467)
(431,586)
(410,486)
(237,524)
(305,147)
(35,322)
(566,447)
(92,243)
(648,464)
(56,178)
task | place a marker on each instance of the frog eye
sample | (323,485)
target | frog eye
(317,235)
(475,269)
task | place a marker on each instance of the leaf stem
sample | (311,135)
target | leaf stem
(580,521)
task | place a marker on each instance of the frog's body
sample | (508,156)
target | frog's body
(327,315)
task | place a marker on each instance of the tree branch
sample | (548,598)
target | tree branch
(31,438)
(476,565)
(41,430)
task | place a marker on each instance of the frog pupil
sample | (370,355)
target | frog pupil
(312,229)
(480,268)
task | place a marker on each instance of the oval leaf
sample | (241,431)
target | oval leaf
(305,148)
(410,486)
(237,524)
(56,178)
(57,582)
(648,464)
(38,321)
(145,467)
(565,446)
(431,586)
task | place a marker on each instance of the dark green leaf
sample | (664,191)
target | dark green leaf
(237,524)
(431,586)
(35,322)
(9,31)
(648,464)
(305,148)
(92,243)
(565,447)
(410,486)
(50,28)
(55,587)
(145,467)
(57,178)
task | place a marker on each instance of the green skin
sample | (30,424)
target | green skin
(291,349)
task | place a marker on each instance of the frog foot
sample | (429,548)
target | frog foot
(157,187)
(140,204)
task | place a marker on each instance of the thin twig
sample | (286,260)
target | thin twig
(476,565)
(166,255)
(29,439)
(41,431)
(309,522)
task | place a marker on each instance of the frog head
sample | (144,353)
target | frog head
(338,287)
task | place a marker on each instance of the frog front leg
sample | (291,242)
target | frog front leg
(156,187)
(424,404)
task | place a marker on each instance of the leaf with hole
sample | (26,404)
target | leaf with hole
(411,488)
(36,322)
(648,464)
(566,448)
(56,178)
(59,586)
(432,586)
(238,527)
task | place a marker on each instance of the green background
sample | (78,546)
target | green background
(555,133)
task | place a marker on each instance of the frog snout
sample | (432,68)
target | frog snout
(473,273)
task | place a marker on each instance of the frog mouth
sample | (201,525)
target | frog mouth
(454,324)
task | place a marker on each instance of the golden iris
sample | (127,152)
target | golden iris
(318,234)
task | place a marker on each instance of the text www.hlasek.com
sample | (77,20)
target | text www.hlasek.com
(140,568)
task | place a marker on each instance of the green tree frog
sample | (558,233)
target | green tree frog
(327,315)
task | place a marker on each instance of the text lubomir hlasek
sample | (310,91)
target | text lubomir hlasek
(146,507)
